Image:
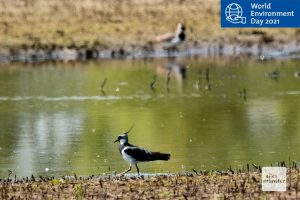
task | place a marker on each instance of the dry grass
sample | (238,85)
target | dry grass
(112,23)
(208,185)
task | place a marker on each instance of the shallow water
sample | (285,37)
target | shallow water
(56,121)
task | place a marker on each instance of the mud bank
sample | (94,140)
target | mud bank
(40,30)
(202,49)
(196,185)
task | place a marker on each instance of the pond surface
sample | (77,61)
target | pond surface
(55,120)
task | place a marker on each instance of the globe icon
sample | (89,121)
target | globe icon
(233,11)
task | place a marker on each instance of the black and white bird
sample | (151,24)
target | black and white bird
(172,40)
(134,154)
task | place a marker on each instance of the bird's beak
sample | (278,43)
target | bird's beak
(116,141)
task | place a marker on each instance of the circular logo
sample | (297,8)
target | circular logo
(233,11)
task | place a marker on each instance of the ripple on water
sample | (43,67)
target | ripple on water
(62,98)
(297,92)
(87,98)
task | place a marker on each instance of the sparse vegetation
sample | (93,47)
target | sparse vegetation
(200,184)
(32,23)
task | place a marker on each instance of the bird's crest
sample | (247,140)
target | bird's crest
(129,129)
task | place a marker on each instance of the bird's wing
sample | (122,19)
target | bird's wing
(138,153)
(165,37)
(142,155)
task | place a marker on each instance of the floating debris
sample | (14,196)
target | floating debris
(262,57)
(207,87)
(207,74)
(103,84)
(168,81)
(123,83)
(152,83)
(243,94)
(274,75)
(197,85)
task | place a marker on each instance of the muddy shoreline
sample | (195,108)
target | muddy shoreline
(204,49)
(62,30)
(194,185)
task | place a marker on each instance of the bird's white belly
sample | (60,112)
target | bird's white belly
(128,158)
(175,41)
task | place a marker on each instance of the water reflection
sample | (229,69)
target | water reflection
(266,117)
(45,138)
(174,70)
(55,117)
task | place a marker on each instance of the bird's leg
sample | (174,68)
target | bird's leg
(138,171)
(121,174)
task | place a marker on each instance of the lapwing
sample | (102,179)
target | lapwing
(171,40)
(134,154)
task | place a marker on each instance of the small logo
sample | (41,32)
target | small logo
(234,13)
(273,179)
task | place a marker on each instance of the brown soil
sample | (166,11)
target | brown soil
(207,185)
